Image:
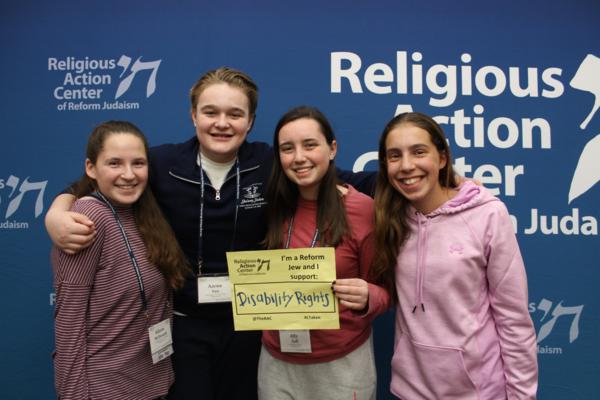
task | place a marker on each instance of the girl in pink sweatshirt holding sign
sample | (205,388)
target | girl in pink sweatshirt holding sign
(449,252)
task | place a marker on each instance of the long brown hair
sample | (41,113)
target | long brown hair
(391,228)
(282,194)
(161,246)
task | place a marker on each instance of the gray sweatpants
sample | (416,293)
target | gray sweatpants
(352,377)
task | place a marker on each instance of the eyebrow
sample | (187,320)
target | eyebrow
(234,108)
(304,141)
(144,158)
(411,147)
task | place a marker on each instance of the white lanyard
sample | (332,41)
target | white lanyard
(136,267)
(289,235)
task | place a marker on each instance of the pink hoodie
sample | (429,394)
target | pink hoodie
(463,330)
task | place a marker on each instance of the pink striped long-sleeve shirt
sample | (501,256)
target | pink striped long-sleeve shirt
(101,332)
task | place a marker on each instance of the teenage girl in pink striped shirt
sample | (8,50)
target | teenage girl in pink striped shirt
(112,318)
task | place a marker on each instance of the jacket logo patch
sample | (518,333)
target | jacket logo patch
(456,248)
(251,192)
(252,197)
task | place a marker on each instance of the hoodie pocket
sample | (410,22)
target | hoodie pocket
(423,371)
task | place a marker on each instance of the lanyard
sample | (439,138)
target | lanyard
(136,267)
(201,223)
(289,235)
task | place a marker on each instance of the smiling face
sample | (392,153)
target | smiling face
(121,169)
(222,121)
(413,166)
(305,155)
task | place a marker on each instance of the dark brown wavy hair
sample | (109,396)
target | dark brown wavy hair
(161,246)
(391,228)
(282,194)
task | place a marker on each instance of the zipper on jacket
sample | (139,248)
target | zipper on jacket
(217,192)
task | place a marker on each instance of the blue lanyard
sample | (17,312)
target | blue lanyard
(313,242)
(136,267)
(201,223)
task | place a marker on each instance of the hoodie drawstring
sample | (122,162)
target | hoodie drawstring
(421,264)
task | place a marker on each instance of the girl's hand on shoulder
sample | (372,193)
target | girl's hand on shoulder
(352,293)
(342,189)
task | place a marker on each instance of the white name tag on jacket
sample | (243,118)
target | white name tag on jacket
(214,289)
(161,341)
(295,341)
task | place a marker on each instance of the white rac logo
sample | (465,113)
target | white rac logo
(124,62)
(91,84)
(587,172)
(550,315)
(12,192)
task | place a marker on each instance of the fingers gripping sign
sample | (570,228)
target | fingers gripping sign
(352,293)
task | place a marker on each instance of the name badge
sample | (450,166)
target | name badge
(161,341)
(214,289)
(295,341)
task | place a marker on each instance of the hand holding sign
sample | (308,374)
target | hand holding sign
(353,293)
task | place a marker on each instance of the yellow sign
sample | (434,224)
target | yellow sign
(283,289)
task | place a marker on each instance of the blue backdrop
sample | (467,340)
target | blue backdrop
(516,86)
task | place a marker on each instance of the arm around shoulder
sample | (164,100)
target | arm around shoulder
(69,231)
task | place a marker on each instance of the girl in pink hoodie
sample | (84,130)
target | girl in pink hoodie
(449,253)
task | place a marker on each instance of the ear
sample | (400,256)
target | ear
(332,150)
(443,159)
(250,124)
(90,169)
(193,117)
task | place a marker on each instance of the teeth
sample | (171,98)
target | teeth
(410,181)
(302,169)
